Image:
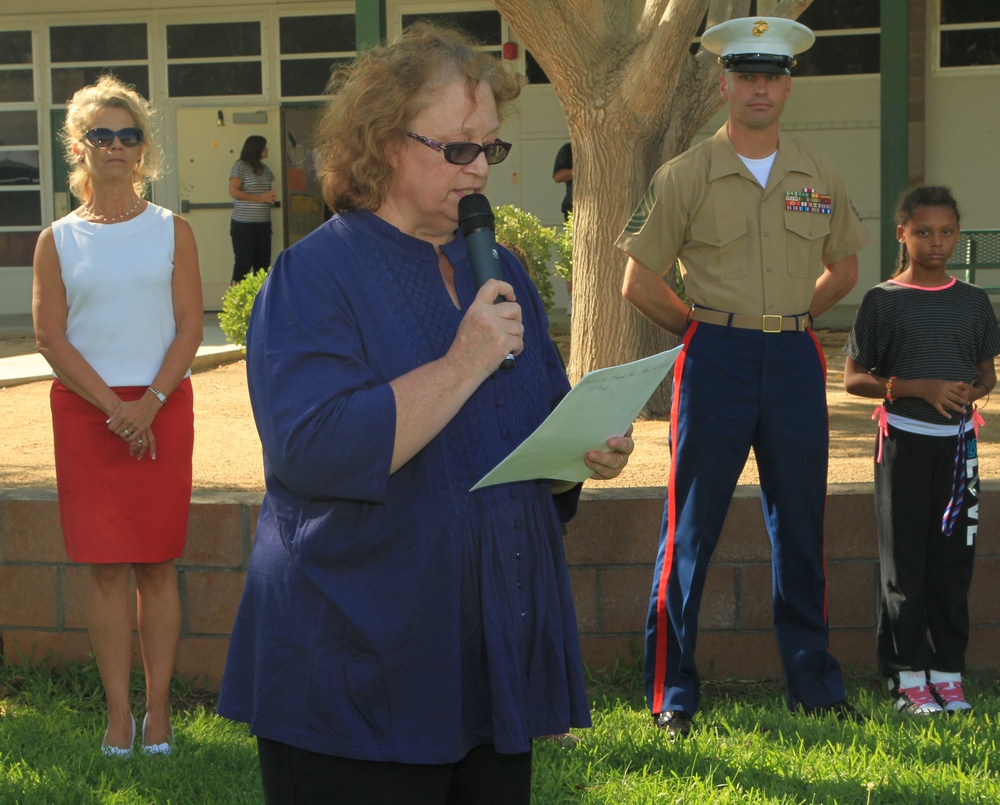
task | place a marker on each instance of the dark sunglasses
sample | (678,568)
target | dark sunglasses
(467,153)
(104,138)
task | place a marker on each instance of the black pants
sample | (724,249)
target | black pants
(924,617)
(251,246)
(292,776)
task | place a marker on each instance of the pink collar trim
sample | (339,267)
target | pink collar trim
(923,287)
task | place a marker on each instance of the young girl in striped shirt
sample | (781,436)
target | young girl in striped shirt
(923,342)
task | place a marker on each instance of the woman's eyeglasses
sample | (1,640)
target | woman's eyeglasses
(104,138)
(467,153)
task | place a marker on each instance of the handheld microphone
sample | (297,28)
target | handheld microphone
(475,219)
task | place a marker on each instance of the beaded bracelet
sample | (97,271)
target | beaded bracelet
(888,390)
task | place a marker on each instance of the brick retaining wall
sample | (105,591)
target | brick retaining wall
(610,548)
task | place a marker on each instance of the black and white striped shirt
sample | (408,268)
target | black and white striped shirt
(914,332)
(250,182)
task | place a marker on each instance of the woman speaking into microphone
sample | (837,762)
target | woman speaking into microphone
(401,639)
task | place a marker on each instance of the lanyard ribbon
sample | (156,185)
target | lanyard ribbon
(954,507)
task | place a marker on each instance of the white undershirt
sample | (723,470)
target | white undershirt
(760,168)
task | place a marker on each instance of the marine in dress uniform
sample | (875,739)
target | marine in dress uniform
(766,238)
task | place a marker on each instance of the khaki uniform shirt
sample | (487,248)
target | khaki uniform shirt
(743,248)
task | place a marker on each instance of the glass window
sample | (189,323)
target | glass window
(847,54)
(219,39)
(18,167)
(484,26)
(67,80)
(17,86)
(20,194)
(17,248)
(841,14)
(970,48)
(326,34)
(968,39)
(204,79)
(21,208)
(18,128)
(964,11)
(533,70)
(94,43)
(307,77)
(15,47)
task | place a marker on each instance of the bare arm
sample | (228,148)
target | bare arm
(653,298)
(947,396)
(987,379)
(50,311)
(833,285)
(241,195)
(563,175)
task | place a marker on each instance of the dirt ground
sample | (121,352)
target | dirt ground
(227,450)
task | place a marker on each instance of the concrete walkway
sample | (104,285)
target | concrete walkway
(28,368)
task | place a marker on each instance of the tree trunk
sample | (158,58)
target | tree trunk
(607,330)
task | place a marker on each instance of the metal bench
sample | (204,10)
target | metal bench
(978,250)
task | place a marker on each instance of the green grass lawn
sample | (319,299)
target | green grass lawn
(746,749)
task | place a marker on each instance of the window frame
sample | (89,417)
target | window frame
(32,106)
(238,15)
(328,11)
(87,22)
(938,29)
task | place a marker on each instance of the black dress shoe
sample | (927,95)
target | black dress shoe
(842,710)
(677,723)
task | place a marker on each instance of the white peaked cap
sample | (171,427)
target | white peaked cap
(758,44)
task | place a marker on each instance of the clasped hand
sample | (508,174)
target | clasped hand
(947,395)
(132,422)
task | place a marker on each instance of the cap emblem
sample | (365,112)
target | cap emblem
(760,28)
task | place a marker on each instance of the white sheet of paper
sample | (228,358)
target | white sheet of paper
(603,404)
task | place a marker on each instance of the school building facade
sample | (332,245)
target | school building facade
(903,89)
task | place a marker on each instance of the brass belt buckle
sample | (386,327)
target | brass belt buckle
(774,328)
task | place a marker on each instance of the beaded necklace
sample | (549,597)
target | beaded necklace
(110,219)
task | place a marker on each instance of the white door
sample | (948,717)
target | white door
(209,141)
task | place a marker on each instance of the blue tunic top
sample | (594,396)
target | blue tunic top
(397,617)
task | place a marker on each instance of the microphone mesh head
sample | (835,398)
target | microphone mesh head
(475,213)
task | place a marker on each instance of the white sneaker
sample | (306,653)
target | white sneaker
(950,696)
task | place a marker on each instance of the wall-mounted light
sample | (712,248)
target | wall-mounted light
(220,120)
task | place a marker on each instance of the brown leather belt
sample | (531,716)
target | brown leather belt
(744,321)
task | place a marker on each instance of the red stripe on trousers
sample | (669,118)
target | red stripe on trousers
(668,551)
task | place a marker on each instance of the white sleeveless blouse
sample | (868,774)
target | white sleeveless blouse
(118,280)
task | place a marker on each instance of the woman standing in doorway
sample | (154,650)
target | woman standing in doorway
(250,188)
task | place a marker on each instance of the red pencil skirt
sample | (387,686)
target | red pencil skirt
(113,507)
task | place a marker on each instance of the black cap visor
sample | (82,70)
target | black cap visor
(757,63)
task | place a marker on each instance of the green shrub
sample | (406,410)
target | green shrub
(532,243)
(236,305)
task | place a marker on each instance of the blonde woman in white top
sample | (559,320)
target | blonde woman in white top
(118,315)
